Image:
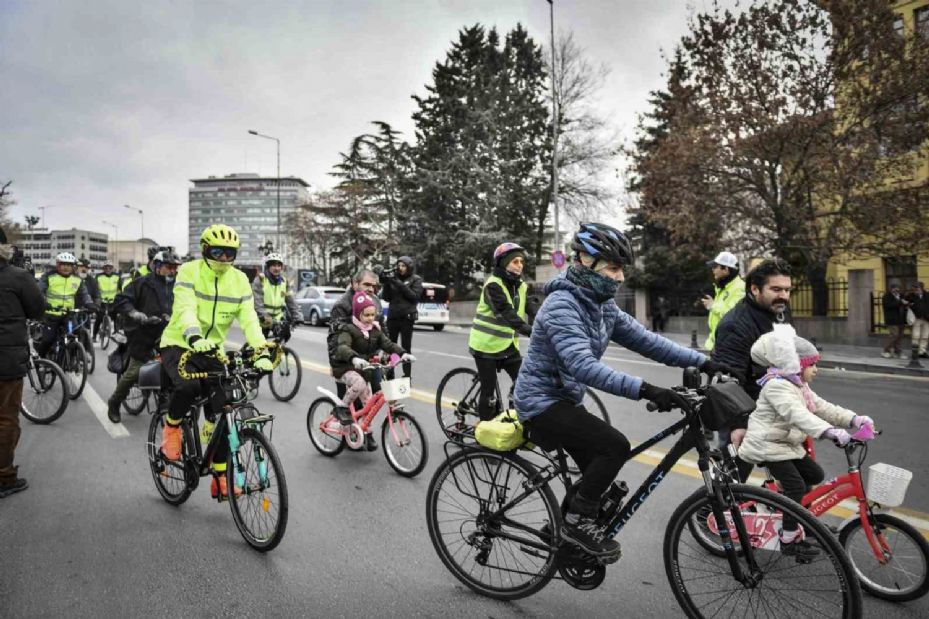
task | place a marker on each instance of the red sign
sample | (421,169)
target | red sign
(558,259)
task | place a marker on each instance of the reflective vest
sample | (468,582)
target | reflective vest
(274,295)
(206,304)
(109,286)
(726,298)
(490,334)
(61,293)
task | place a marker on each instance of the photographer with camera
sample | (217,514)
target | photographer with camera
(403,289)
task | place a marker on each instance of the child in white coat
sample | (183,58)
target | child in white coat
(787,412)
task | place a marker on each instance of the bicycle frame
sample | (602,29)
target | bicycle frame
(365,417)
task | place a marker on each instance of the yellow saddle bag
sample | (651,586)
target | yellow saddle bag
(502,433)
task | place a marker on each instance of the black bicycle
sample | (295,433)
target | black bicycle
(45,390)
(495,524)
(82,322)
(457,398)
(260,511)
(69,354)
(285,380)
(105,333)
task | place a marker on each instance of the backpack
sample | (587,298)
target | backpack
(118,360)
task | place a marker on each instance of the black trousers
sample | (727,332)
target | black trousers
(598,448)
(400,330)
(796,477)
(186,392)
(487,369)
(52,325)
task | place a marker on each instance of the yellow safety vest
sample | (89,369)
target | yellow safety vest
(726,298)
(206,303)
(490,334)
(109,286)
(61,293)
(274,295)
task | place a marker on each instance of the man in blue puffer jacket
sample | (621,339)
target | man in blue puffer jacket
(572,331)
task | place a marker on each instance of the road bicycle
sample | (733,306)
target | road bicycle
(403,440)
(252,466)
(495,523)
(890,556)
(456,403)
(45,390)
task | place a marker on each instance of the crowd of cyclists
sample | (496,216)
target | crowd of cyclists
(185,310)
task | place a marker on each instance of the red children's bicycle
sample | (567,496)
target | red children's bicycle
(890,556)
(402,438)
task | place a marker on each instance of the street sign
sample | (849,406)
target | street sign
(305,278)
(558,259)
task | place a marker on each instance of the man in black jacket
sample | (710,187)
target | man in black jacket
(894,306)
(403,289)
(20,299)
(146,302)
(766,303)
(364,280)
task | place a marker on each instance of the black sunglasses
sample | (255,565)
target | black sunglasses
(216,252)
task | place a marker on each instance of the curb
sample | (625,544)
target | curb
(870,368)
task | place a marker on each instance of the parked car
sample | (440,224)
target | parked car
(315,303)
(432,307)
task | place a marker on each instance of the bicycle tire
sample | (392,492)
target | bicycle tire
(864,558)
(320,410)
(47,375)
(87,341)
(405,443)
(294,367)
(449,537)
(456,417)
(106,330)
(171,479)
(135,400)
(595,405)
(841,588)
(75,366)
(255,498)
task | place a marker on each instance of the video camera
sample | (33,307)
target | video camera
(383,273)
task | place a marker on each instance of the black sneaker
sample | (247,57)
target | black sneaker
(17,485)
(343,415)
(370,443)
(801,549)
(113,413)
(589,537)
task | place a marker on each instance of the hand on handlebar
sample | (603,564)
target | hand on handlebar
(711,368)
(358,363)
(202,345)
(837,435)
(861,420)
(407,357)
(662,399)
(264,364)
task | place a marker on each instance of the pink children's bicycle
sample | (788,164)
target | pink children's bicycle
(402,438)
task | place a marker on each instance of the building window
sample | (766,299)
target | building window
(898,26)
(900,270)
(922,21)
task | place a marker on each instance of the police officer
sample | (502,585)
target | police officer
(108,285)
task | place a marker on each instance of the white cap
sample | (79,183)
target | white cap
(726,259)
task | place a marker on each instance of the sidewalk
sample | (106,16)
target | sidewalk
(851,358)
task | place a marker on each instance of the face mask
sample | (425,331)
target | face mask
(217,266)
(82,275)
(604,288)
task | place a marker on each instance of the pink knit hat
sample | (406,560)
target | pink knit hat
(360,301)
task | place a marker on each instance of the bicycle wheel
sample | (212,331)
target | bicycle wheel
(170,477)
(45,392)
(286,377)
(820,586)
(324,429)
(75,367)
(456,403)
(87,342)
(260,513)
(135,400)
(106,330)
(405,445)
(594,405)
(904,575)
(507,555)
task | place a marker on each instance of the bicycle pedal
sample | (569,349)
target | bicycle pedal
(609,559)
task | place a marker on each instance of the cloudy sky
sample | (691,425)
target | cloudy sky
(109,102)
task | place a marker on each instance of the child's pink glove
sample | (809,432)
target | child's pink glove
(861,420)
(840,436)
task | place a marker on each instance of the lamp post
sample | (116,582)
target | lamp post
(141,219)
(42,208)
(551,21)
(115,242)
(278,142)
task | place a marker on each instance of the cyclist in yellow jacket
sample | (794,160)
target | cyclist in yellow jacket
(64,292)
(209,294)
(274,301)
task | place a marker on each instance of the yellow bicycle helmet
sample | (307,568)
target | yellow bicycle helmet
(220,235)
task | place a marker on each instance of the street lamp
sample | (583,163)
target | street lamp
(115,242)
(141,219)
(278,142)
(551,21)
(42,208)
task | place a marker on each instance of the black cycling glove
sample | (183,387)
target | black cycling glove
(664,399)
(711,367)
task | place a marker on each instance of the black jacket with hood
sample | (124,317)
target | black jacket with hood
(403,294)
(20,299)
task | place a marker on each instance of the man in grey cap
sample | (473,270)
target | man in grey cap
(729,289)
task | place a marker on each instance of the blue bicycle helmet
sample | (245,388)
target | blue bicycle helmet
(603,243)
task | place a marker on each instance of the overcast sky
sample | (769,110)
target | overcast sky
(108,102)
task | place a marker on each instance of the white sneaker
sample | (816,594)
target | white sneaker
(886,355)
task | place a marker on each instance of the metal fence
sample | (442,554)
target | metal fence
(801,299)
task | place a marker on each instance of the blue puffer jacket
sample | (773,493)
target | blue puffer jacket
(570,334)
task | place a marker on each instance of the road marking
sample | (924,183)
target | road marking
(446,354)
(98,407)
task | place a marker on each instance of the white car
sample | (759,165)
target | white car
(432,308)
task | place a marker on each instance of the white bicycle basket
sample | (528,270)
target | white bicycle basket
(887,484)
(396,389)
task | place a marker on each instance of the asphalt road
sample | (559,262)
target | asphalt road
(91,536)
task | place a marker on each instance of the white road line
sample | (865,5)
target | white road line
(445,354)
(98,406)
